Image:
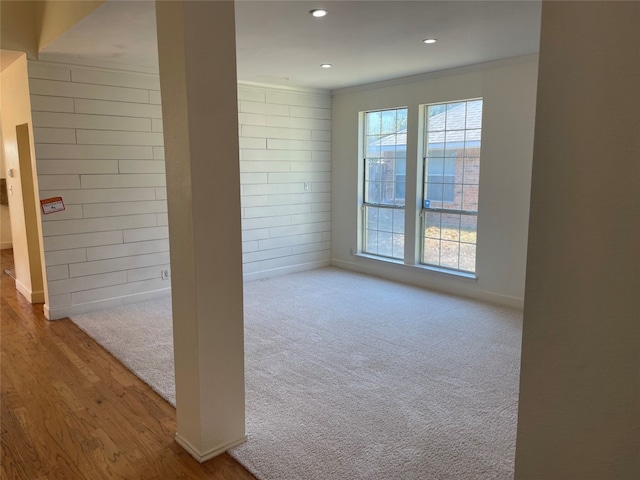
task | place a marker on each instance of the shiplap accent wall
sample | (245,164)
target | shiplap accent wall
(99,145)
(285,172)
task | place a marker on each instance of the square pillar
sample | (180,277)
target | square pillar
(196,47)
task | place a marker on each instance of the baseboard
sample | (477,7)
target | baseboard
(31,296)
(209,454)
(404,274)
(274,272)
(5,245)
(65,311)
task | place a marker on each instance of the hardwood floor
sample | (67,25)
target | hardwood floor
(72,411)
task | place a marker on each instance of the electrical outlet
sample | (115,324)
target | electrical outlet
(307,186)
(165,274)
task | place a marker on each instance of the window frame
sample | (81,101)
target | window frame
(442,211)
(368,206)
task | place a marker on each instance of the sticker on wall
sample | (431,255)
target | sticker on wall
(52,205)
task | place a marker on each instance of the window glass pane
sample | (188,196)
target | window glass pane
(402,121)
(373,123)
(389,123)
(371,218)
(454,139)
(474,114)
(450,170)
(435,194)
(471,170)
(435,140)
(451,184)
(373,192)
(470,198)
(374,147)
(472,137)
(449,194)
(436,117)
(398,220)
(454,201)
(431,251)
(449,253)
(468,228)
(385,148)
(456,116)
(374,170)
(467,257)
(385,244)
(432,225)
(450,227)
(385,220)
(435,169)
(370,241)
(398,246)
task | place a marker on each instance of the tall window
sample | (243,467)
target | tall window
(451,182)
(385,164)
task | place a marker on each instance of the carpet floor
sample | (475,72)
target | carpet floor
(354,377)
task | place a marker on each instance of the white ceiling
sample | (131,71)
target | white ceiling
(279,42)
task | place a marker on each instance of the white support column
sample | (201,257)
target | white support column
(579,403)
(196,46)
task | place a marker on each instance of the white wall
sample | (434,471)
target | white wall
(285,145)
(99,145)
(578,411)
(509,92)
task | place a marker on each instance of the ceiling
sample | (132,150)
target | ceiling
(279,42)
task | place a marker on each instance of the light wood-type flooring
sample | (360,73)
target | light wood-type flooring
(72,411)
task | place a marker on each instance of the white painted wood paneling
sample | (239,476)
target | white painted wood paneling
(42,103)
(95,122)
(63,242)
(99,145)
(101,77)
(104,195)
(125,109)
(81,90)
(58,167)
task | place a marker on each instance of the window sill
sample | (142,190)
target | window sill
(420,267)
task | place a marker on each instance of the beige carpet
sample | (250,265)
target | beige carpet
(351,377)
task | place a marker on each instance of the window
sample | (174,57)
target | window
(445,209)
(385,164)
(451,184)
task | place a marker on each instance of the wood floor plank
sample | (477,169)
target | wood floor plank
(69,410)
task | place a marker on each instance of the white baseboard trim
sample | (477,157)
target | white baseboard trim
(32,297)
(404,274)
(5,245)
(210,453)
(274,272)
(57,313)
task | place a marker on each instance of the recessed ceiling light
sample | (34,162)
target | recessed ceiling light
(325,65)
(318,13)
(430,40)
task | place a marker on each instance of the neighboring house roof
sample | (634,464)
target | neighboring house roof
(465,117)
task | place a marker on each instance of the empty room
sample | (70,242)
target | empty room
(318,240)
